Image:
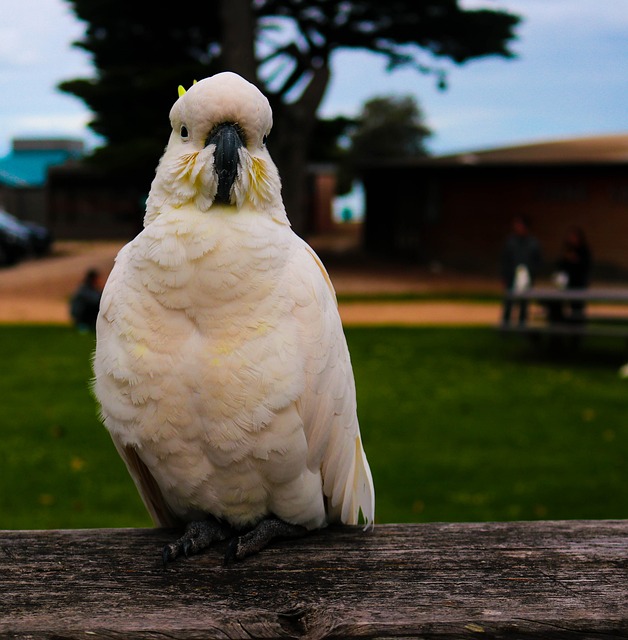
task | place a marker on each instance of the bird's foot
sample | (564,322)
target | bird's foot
(197,536)
(258,538)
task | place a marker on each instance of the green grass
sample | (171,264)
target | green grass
(459,424)
(463,425)
(58,468)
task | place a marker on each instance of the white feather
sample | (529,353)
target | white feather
(221,366)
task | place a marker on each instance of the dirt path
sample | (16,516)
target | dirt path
(38,290)
(419,313)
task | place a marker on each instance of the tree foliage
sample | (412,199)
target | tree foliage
(386,127)
(406,32)
(389,127)
(142,50)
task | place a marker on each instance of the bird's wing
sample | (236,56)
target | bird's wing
(108,351)
(147,486)
(328,404)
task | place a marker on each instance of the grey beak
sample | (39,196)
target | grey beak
(228,140)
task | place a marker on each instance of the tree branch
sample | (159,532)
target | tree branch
(313,94)
(238,38)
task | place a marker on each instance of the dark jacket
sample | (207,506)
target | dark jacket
(518,250)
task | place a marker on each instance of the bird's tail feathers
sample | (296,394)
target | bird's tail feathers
(359,498)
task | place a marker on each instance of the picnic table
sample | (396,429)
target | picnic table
(571,312)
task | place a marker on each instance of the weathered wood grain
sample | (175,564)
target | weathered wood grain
(500,580)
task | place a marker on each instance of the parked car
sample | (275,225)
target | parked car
(15,241)
(19,238)
(40,237)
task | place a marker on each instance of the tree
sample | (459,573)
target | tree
(142,50)
(389,127)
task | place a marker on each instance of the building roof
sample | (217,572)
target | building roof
(597,149)
(28,162)
(607,149)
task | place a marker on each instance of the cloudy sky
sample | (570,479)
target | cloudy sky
(569,78)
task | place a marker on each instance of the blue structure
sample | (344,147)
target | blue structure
(24,172)
(28,162)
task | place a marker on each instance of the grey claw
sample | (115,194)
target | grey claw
(231,555)
(198,536)
(260,536)
(166,555)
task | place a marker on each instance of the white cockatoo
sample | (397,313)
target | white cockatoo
(221,366)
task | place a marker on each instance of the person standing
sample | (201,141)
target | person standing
(520,264)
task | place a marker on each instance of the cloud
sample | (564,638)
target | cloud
(38,34)
(49,123)
(12,49)
(563,14)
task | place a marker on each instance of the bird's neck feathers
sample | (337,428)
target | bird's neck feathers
(184,179)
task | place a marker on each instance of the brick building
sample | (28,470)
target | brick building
(456,210)
(86,204)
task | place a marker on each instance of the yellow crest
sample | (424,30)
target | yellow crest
(182,89)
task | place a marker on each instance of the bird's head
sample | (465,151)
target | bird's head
(216,155)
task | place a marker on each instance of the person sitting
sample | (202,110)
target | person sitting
(574,269)
(85,302)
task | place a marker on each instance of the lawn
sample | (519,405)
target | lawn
(459,424)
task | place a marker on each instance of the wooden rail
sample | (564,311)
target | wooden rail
(499,580)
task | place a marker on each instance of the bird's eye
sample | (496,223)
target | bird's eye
(264,139)
(185,134)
